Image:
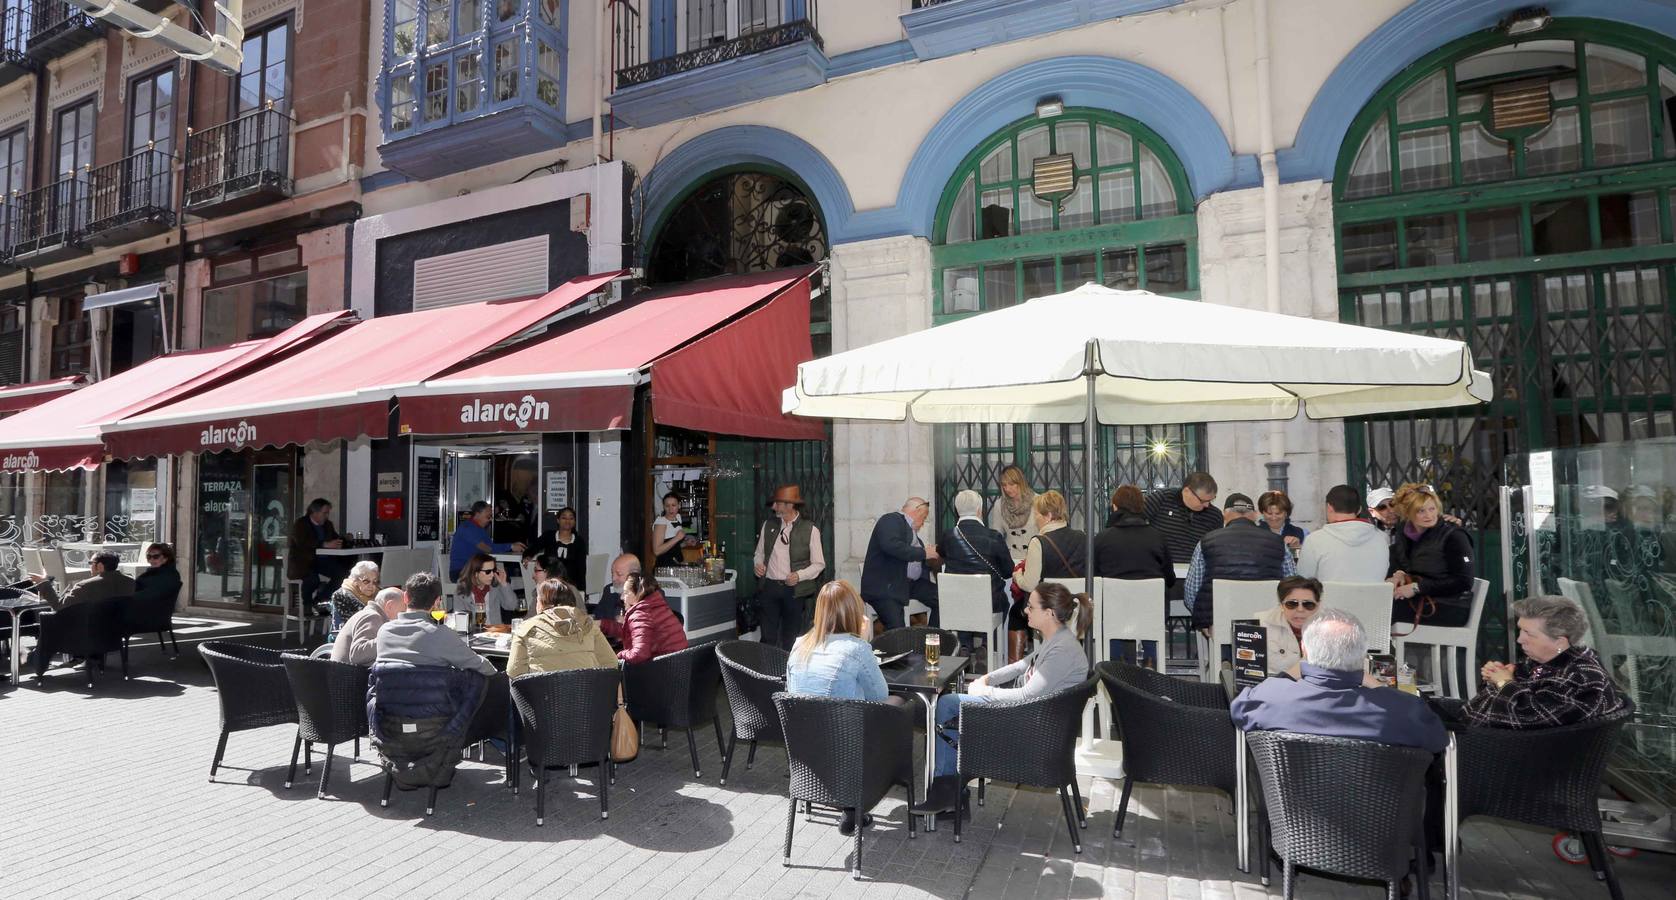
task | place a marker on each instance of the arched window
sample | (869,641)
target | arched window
(1043,206)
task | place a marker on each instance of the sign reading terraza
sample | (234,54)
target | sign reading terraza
(520,413)
(236,435)
(24,462)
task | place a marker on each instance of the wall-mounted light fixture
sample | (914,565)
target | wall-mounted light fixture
(1048,107)
(1525,20)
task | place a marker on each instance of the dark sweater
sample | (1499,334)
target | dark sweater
(1132,548)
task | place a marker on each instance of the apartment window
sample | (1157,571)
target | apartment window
(14,153)
(11,345)
(264,74)
(75,138)
(71,340)
(254,295)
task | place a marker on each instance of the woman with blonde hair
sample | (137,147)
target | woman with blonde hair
(559,637)
(833,659)
(1431,569)
(1057,551)
(1011,515)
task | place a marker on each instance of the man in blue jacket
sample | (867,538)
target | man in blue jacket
(472,536)
(896,568)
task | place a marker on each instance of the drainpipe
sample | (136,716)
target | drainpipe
(1277,463)
(602,72)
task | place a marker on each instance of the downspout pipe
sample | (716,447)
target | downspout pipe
(1277,464)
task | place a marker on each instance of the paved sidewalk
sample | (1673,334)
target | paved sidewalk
(108,796)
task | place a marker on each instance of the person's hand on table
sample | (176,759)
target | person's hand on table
(333,544)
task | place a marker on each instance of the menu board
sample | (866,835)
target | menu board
(1251,652)
(427,498)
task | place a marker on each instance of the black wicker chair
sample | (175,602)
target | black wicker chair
(1029,742)
(1174,731)
(911,639)
(85,631)
(677,690)
(251,685)
(149,615)
(1343,806)
(566,717)
(1549,777)
(331,707)
(494,720)
(751,673)
(847,754)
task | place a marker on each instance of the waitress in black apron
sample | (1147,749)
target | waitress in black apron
(668,533)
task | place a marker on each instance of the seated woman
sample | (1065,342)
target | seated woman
(1431,567)
(1560,682)
(834,658)
(646,626)
(483,583)
(560,636)
(358,589)
(1057,663)
(161,580)
(1299,599)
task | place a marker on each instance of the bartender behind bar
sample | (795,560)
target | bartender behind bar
(668,533)
(789,561)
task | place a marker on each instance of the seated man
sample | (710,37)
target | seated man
(1335,696)
(105,581)
(357,641)
(415,639)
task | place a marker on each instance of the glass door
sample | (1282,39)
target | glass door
(246,504)
(470,478)
(274,509)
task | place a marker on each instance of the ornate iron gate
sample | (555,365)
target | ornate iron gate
(742,498)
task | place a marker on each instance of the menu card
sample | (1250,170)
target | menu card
(1251,652)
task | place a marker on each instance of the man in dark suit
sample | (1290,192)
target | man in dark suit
(895,569)
(973,548)
(314,531)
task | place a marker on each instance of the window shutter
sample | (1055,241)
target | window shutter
(497,272)
(11,357)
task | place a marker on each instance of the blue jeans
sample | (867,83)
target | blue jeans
(948,717)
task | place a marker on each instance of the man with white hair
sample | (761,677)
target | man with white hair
(1335,697)
(973,548)
(357,640)
(895,569)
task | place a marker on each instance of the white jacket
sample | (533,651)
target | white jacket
(1351,551)
(1282,644)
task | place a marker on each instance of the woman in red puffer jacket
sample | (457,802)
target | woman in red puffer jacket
(647,627)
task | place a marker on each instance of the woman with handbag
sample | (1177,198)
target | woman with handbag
(1057,551)
(1431,568)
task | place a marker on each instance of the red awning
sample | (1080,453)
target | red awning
(339,388)
(14,398)
(719,352)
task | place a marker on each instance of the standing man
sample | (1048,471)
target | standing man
(1346,549)
(1243,550)
(1184,517)
(1383,512)
(314,531)
(788,562)
(472,536)
(895,570)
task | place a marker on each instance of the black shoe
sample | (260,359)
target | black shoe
(846,825)
(941,797)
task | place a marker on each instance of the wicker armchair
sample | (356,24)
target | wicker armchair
(149,615)
(847,754)
(912,640)
(677,690)
(1547,777)
(1029,742)
(1343,806)
(1174,731)
(494,719)
(567,721)
(251,685)
(751,673)
(331,707)
(85,631)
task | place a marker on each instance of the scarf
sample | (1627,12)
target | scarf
(1412,532)
(1016,513)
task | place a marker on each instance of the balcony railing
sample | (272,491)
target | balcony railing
(57,27)
(921,4)
(48,221)
(239,164)
(713,31)
(131,197)
(14,41)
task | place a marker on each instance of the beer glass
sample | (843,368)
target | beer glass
(933,650)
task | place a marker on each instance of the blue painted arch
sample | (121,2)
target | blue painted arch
(1420,28)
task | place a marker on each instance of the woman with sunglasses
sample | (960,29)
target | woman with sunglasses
(160,579)
(483,586)
(1299,598)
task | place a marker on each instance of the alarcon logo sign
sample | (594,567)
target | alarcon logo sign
(235,435)
(521,413)
(15,462)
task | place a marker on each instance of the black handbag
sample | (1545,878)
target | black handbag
(746,616)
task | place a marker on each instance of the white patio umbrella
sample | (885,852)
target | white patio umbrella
(1100,356)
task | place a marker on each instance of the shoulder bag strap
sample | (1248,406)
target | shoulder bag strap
(1061,554)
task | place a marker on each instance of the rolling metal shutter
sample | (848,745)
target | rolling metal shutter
(497,272)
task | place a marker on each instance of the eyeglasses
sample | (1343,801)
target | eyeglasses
(488,571)
(1308,605)
(154,556)
(1383,506)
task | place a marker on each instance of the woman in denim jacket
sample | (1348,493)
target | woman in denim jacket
(834,659)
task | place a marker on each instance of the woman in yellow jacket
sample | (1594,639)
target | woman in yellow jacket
(559,637)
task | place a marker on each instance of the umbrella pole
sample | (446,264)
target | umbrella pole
(1090,453)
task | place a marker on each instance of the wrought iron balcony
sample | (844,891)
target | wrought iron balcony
(57,26)
(715,31)
(15,61)
(240,164)
(131,198)
(48,222)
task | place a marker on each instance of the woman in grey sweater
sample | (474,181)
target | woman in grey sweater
(1058,662)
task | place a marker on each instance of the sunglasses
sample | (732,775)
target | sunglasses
(489,571)
(1383,506)
(154,556)
(1308,605)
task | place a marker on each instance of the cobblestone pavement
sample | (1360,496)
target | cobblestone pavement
(108,797)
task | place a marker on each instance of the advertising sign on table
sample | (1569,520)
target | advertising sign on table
(1251,652)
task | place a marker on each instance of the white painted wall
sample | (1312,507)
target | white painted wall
(605,492)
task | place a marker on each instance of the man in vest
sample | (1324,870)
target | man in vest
(789,561)
(1242,550)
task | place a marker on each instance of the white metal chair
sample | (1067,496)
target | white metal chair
(32,560)
(1131,611)
(1612,646)
(599,573)
(398,564)
(1232,600)
(293,611)
(1461,642)
(965,604)
(1371,603)
(52,563)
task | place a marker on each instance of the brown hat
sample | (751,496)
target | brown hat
(788,493)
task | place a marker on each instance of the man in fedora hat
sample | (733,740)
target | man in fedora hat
(788,562)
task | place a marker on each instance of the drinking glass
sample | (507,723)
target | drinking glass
(933,650)
(439,614)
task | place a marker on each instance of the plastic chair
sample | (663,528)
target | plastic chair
(1131,611)
(1370,603)
(677,690)
(52,563)
(1029,742)
(331,708)
(1462,644)
(1379,836)
(846,754)
(751,674)
(252,689)
(1613,646)
(1232,600)
(567,722)
(966,604)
